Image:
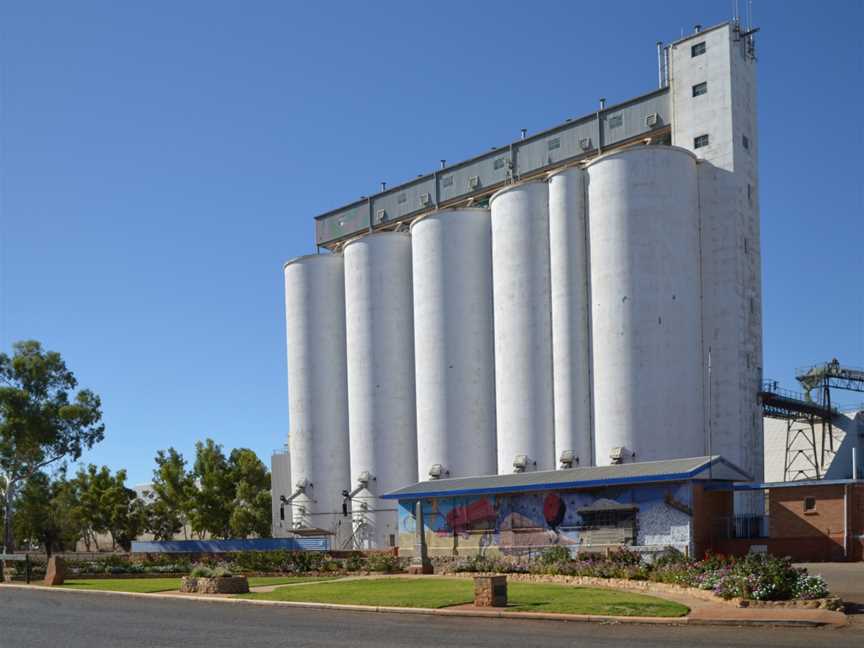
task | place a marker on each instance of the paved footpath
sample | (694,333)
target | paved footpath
(45,618)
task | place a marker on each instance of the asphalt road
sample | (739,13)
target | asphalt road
(38,619)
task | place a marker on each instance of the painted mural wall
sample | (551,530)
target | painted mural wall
(653,517)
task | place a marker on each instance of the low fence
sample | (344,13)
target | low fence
(25,558)
(228,546)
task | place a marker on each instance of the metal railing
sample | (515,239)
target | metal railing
(744,527)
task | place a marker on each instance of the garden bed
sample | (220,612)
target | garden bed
(753,578)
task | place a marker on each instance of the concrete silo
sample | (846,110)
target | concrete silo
(646,305)
(523,330)
(571,340)
(317,392)
(381,403)
(453,343)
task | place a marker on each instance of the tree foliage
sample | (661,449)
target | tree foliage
(42,418)
(47,513)
(221,497)
(251,506)
(172,491)
(106,505)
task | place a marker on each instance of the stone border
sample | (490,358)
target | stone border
(832,603)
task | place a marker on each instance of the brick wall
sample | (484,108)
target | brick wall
(708,508)
(790,520)
(815,535)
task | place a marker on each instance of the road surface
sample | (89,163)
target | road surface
(38,619)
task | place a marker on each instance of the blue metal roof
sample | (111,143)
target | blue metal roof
(716,468)
(794,484)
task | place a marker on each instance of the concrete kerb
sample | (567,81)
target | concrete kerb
(496,614)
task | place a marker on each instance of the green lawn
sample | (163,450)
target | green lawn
(150,585)
(146,585)
(443,592)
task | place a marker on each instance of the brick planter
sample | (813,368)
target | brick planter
(490,591)
(217,585)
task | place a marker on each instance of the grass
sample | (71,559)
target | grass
(443,592)
(151,585)
(144,585)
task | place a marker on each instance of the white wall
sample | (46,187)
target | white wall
(730,239)
(280,484)
(848,430)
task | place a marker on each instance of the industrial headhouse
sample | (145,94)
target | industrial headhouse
(585,296)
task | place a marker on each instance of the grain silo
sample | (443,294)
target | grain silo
(381,402)
(454,350)
(571,340)
(646,305)
(626,310)
(523,328)
(317,392)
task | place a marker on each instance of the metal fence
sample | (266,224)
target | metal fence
(744,527)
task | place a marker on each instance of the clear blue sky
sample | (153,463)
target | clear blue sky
(159,161)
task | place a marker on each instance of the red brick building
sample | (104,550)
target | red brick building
(808,521)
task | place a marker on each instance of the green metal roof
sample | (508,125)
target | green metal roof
(715,467)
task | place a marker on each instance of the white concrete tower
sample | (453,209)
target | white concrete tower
(712,76)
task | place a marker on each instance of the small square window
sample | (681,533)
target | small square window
(745,141)
(402,198)
(697,49)
(554,144)
(446,182)
(700,89)
(809,503)
(700,141)
(616,120)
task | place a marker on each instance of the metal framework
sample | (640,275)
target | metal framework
(822,377)
(802,457)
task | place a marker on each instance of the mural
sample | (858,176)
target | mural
(653,516)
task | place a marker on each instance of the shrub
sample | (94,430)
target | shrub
(355,562)
(810,587)
(385,563)
(201,571)
(625,556)
(554,555)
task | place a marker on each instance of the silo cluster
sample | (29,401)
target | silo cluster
(560,326)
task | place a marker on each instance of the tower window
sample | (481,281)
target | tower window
(700,89)
(700,141)
(697,49)
(745,141)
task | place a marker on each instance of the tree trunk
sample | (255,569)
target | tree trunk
(8,538)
